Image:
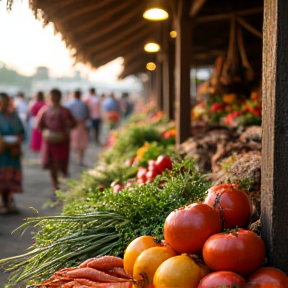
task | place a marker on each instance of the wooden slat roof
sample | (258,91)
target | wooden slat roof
(100,31)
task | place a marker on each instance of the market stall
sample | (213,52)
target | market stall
(106,220)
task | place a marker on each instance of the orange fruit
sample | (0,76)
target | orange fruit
(179,271)
(134,249)
(147,263)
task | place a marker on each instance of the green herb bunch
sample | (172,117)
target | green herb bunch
(129,140)
(103,222)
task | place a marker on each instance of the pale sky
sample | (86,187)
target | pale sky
(25,44)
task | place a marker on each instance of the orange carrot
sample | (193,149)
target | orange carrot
(55,282)
(105,262)
(118,272)
(94,275)
(86,282)
(84,264)
(72,284)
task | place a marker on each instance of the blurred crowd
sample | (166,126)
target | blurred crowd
(51,126)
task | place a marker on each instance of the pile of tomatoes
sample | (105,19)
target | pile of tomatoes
(146,175)
(198,250)
(155,167)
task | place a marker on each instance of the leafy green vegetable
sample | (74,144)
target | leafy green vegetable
(102,222)
(129,141)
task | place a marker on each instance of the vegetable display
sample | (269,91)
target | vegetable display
(146,218)
(233,258)
(110,221)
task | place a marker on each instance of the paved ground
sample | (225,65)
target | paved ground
(37,192)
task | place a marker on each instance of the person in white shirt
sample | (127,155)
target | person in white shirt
(21,107)
(93,102)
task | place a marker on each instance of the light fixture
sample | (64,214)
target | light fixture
(156,11)
(173,34)
(152,47)
(151,66)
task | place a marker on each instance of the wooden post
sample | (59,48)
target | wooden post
(153,94)
(168,73)
(159,84)
(182,72)
(274,183)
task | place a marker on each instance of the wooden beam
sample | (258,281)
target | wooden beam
(118,38)
(182,72)
(132,68)
(196,7)
(114,24)
(274,180)
(55,5)
(93,22)
(85,9)
(114,50)
(248,27)
(224,16)
(137,52)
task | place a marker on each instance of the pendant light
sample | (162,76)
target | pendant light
(156,11)
(152,47)
(151,66)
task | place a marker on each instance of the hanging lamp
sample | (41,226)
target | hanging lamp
(156,10)
(152,47)
(151,66)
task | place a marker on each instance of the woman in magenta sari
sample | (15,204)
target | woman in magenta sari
(55,122)
(36,137)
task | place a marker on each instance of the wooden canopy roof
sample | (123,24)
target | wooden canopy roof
(100,31)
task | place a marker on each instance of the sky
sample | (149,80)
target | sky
(25,44)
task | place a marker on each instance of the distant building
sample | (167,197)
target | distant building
(42,73)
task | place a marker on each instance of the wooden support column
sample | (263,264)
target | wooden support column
(182,72)
(168,73)
(159,84)
(153,94)
(274,183)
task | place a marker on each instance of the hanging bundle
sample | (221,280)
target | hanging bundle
(248,71)
(230,71)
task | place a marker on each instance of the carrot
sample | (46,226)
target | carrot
(84,264)
(86,282)
(118,272)
(105,262)
(94,275)
(72,284)
(55,282)
(63,271)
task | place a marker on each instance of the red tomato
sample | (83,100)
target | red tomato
(233,204)
(186,229)
(225,279)
(268,277)
(117,188)
(163,162)
(167,134)
(242,252)
(151,163)
(152,167)
(141,173)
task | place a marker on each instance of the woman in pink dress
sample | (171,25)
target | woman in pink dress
(36,136)
(55,122)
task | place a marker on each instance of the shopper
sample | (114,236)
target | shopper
(94,104)
(79,135)
(11,136)
(36,136)
(112,110)
(55,122)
